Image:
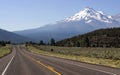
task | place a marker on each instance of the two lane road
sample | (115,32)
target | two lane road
(22,62)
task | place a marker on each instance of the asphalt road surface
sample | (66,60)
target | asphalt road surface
(22,62)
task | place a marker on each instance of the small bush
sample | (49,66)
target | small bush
(52,50)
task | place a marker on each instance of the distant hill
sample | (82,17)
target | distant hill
(100,38)
(12,37)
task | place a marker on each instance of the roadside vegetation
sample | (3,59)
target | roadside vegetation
(103,56)
(5,50)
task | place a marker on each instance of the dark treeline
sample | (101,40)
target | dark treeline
(100,38)
(3,43)
(52,42)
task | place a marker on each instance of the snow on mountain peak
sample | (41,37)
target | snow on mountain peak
(88,15)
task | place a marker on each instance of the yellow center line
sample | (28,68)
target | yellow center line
(46,66)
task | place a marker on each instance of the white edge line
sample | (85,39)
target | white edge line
(3,73)
(96,69)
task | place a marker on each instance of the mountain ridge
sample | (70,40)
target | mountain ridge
(12,37)
(92,20)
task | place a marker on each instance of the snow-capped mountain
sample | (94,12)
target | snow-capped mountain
(94,18)
(88,14)
(84,21)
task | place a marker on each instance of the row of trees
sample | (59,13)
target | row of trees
(3,43)
(52,42)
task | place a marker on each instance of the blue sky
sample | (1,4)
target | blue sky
(27,14)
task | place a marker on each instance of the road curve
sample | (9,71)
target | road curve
(22,62)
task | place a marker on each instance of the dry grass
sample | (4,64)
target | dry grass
(101,61)
(5,50)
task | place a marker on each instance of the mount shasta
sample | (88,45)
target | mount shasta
(82,22)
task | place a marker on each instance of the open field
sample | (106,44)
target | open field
(5,50)
(103,56)
(105,53)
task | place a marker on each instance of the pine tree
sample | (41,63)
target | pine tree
(52,42)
